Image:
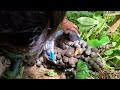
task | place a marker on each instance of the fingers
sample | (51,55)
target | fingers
(74,29)
(65,30)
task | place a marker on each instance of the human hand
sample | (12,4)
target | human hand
(68,25)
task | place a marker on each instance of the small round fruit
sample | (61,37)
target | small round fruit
(63,53)
(55,51)
(96,67)
(58,62)
(82,57)
(61,62)
(94,49)
(87,59)
(78,46)
(77,56)
(91,62)
(76,43)
(81,42)
(69,52)
(101,64)
(88,51)
(84,49)
(84,45)
(73,66)
(58,56)
(98,60)
(80,50)
(66,46)
(93,54)
(65,59)
(72,61)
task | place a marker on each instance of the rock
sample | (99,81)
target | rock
(38,63)
(41,59)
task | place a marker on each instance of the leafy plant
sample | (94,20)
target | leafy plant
(82,70)
(93,27)
(51,73)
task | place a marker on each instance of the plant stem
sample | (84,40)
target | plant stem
(107,58)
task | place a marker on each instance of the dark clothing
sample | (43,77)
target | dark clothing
(17,27)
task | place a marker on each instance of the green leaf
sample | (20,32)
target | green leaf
(98,13)
(103,34)
(51,73)
(104,40)
(114,44)
(83,28)
(118,57)
(115,37)
(96,43)
(87,21)
(82,70)
(108,52)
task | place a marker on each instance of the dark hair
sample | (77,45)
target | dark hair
(36,22)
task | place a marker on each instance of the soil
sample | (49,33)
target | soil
(35,72)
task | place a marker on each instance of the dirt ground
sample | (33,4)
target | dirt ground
(41,72)
(35,72)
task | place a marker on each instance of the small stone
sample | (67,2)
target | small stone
(38,63)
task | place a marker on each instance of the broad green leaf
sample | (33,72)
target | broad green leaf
(82,70)
(83,28)
(114,44)
(104,40)
(98,18)
(118,57)
(108,52)
(96,43)
(87,21)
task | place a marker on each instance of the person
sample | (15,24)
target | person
(26,32)
(68,25)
